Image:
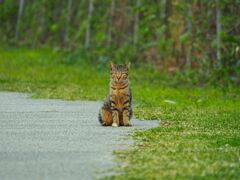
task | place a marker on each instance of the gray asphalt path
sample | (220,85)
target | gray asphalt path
(56,139)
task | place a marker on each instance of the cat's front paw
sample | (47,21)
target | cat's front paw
(114,125)
(128,124)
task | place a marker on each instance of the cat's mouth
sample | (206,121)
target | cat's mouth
(120,82)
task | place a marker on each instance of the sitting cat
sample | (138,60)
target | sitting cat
(117,108)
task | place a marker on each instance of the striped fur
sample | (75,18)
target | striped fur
(117,108)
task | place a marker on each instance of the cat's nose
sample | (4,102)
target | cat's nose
(118,77)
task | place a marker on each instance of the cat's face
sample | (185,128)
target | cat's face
(119,73)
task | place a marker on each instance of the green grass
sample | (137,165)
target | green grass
(199,132)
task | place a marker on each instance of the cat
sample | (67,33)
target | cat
(117,108)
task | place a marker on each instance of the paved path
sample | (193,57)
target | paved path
(56,139)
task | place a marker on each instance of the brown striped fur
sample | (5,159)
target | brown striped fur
(117,108)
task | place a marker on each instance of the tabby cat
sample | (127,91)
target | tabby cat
(117,108)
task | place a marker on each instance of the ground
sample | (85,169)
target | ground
(55,139)
(199,133)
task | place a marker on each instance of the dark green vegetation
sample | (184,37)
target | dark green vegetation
(173,35)
(199,132)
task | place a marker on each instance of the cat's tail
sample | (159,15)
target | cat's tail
(100,118)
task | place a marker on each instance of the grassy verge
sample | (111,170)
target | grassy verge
(199,136)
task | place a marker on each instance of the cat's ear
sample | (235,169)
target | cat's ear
(128,65)
(111,65)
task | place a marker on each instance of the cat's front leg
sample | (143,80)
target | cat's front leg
(126,118)
(114,110)
(115,118)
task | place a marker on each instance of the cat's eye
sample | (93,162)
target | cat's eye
(124,76)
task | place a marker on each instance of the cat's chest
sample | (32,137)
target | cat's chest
(119,96)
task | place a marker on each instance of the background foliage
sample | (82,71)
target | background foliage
(171,35)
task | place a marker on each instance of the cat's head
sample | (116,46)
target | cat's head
(119,73)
